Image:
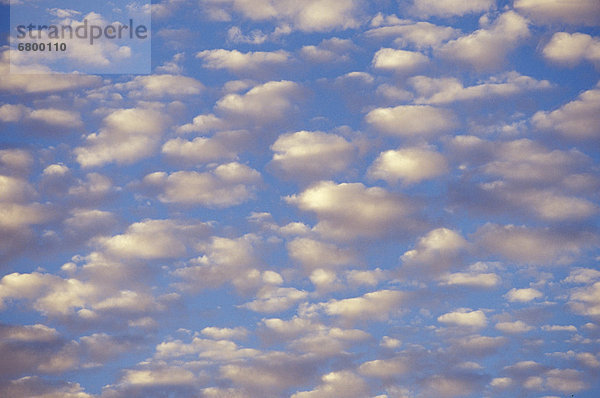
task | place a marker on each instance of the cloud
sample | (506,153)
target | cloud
(275,299)
(46,116)
(385,368)
(578,119)
(464,318)
(448,8)
(409,165)
(470,279)
(222,145)
(585,12)
(377,305)
(528,245)
(571,49)
(307,16)
(226,185)
(155,86)
(486,49)
(223,260)
(351,210)
(127,136)
(30,386)
(334,384)
(306,155)
(314,254)
(400,61)
(447,90)
(268,102)
(329,50)
(242,63)
(586,300)
(153,239)
(523,295)
(412,120)
(439,249)
(513,327)
(420,34)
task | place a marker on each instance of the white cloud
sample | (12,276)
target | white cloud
(315,254)
(523,295)
(571,49)
(448,8)
(513,327)
(275,299)
(264,103)
(586,300)
(162,85)
(437,250)
(372,306)
(307,16)
(401,61)
(127,136)
(487,48)
(577,119)
(529,245)
(225,333)
(409,164)
(450,89)
(473,279)
(153,239)
(227,185)
(585,12)
(335,384)
(421,34)
(347,211)
(385,368)
(329,50)
(412,120)
(222,145)
(464,318)
(583,275)
(242,63)
(311,155)
(559,328)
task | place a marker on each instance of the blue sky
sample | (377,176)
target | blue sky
(308,199)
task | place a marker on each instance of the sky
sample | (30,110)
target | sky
(306,199)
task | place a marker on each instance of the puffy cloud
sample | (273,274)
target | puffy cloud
(316,254)
(153,239)
(343,383)
(16,161)
(329,50)
(450,89)
(227,185)
(311,155)
(398,60)
(585,12)
(530,245)
(162,85)
(222,259)
(385,368)
(471,279)
(523,295)
(46,116)
(421,34)
(464,318)
(159,376)
(583,275)
(225,333)
(409,165)
(127,136)
(513,327)
(264,103)
(34,386)
(565,380)
(559,328)
(577,119)
(242,63)
(350,210)
(586,300)
(371,306)
(570,49)
(222,145)
(439,249)
(412,120)
(275,299)
(486,48)
(307,15)
(453,385)
(218,350)
(448,8)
